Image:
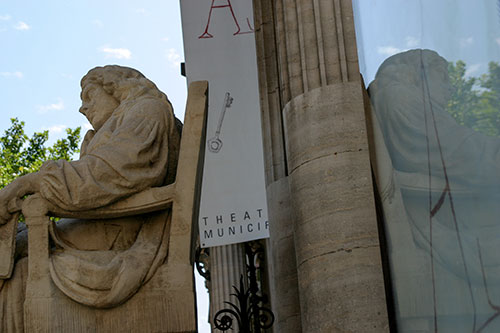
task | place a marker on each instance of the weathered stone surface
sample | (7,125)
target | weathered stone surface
(342,285)
(284,290)
(335,228)
(324,121)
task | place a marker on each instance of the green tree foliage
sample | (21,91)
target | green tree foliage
(20,154)
(475,102)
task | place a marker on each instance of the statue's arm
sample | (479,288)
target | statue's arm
(11,195)
(86,140)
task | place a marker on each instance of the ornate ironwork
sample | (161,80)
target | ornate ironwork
(249,313)
(202,262)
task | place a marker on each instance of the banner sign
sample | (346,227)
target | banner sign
(219,46)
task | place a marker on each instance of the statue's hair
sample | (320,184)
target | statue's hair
(406,67)
(122,82)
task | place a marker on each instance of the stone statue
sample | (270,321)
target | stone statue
(133,146)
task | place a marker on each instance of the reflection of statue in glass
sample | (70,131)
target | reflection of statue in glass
(133,146)
(401,92)
(448,174)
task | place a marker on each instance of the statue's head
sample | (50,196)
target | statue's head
(105,88)
(120,82)
(415,69)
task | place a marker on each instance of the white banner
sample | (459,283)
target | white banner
(219,46)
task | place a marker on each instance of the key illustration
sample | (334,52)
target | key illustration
(215,143)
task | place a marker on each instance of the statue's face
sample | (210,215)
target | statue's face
(97,105)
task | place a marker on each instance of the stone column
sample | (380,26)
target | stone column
(315,138)
(227,264)
(281,251)
(281,254)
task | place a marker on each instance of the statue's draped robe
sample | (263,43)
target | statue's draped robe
(103,263)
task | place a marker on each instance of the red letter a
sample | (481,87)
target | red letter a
(222,4)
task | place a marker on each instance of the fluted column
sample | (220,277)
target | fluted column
(316,45)
(313,113)
(227,264)
(281,251)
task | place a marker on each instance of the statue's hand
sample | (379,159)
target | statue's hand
(7,205)
(4,215)
(11,195)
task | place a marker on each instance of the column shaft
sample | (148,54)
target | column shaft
(227,264)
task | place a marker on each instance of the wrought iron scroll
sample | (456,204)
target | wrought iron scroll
(202,262)
(249,313)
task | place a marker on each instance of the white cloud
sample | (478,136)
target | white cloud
(98,23)
(472,69)
(56,129)
(498,41)
(388,50)
(173,57)
(166,39)
(4,17)
(22,26)
(412,42)
(464,42)
(51,107)
(118,53)
(16,74)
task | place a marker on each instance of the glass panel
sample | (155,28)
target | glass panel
(434,82)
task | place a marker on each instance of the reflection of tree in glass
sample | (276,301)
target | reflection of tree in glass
(475,102)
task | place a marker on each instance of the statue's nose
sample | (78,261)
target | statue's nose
(83,109)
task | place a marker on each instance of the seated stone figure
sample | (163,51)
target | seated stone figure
(133,146)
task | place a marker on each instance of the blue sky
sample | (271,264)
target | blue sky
(47,46)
